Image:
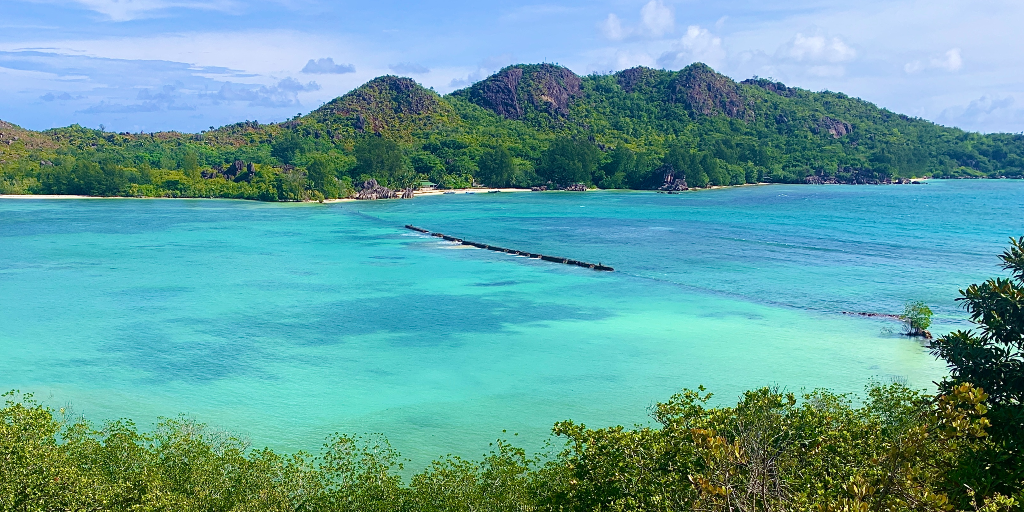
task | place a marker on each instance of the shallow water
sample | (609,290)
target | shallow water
(286,322)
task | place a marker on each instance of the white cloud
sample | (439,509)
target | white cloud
(625,59)
(327,66)
(913,67)
(950,61)
(987,113)
(485,68)
(657,18)
(697,45)
(127,10)
(817,48)
(410,68)
(612,28)
(283,94)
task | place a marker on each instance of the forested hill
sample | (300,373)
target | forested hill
(527,125)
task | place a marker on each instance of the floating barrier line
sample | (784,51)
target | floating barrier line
(553,259)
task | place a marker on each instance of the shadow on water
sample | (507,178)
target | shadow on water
(234,346)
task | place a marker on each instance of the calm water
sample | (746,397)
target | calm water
(288,322)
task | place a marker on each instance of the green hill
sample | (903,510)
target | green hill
(526,125)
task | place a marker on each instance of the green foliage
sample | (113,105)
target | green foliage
(84,177)
(497,168)
(322,172)
(613,131)
(288,147)
(569,161)
(917,316)
(993,359)
(382,159)
(772,451)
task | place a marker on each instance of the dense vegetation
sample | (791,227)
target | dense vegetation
(528,125)
(892,450)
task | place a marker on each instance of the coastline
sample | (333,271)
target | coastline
(417,193)
(438,192)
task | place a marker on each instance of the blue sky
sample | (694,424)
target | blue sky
(190,64)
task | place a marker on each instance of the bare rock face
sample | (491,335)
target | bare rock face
(235,168)
(512,90)
(706,92)
(671,181)
(835,127)
(500,93)
(370,190)
(636,79)
(555,87)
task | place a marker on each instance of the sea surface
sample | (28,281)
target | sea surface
(284,323)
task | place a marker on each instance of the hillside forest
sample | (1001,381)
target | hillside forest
(525,126)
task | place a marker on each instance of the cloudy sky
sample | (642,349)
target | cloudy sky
(190,64)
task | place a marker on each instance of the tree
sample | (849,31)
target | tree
(713,170)
(190,166)
(992,358)
(291,185)
(569,161)
(620,166)
(917,317)
(496,168)
(427,164)
(288,146)
(322,175)
(697,167)
(382,159)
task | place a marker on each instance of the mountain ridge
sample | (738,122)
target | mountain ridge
(621,130)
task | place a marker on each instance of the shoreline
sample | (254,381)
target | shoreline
(438,192)
(417,193)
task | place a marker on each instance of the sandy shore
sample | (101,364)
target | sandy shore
(416,194)
(467,191)
(44,196)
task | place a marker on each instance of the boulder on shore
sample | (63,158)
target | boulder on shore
(371,190)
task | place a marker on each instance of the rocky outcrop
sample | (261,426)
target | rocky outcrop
(12,134)
(500,93)
(770,86)
(576,187)
(390,106)
(845,175)
(515,89)
(234,169)
(554,87)
(671,181)
(638,79)
(370,190)
(708,93)
(835,127)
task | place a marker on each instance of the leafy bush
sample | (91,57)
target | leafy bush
(917,317)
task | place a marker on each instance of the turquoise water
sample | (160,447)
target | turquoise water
(286,322)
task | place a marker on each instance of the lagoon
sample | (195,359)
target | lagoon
(287,322)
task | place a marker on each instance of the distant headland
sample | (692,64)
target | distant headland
(533,126)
